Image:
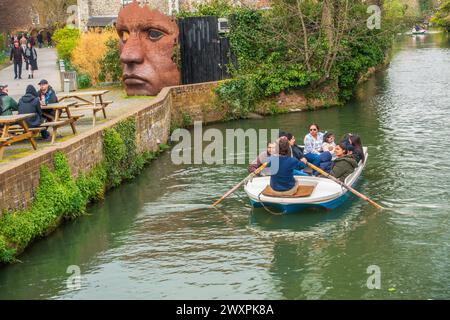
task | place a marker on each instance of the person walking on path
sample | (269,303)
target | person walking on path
(29,103)
(7,104)
(23,42)
(17,56)
(31,59)
(49,39)
(40,40)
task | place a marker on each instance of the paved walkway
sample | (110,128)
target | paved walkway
(48,69)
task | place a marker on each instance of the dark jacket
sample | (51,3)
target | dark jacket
(7,104)
(343,167)
(358,154)
(50,96)
(16,54)
(29,103)
(297,152)
(281,169)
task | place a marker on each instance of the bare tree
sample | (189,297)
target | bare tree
(54,12)
(14,14)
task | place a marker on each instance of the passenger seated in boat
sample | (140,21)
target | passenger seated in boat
(358,152)
(344,164)
(282,179)
(313,144)
(262,158)
(328,143)
(296,152)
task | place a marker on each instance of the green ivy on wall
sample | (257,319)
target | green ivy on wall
(61,197)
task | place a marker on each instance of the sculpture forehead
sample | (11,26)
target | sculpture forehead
(136,17)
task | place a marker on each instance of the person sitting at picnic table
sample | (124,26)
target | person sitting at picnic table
(29,103)
(344,164)
(7,104)
(46,93)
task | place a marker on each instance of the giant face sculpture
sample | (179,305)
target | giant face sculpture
(147,39)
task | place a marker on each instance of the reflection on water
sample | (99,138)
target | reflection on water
(158,237)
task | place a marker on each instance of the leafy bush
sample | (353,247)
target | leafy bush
(90,51)
(83,81)
(3,43)
(66,40)
(110,64)
(442,17)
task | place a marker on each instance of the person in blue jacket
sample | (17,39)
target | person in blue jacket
(282,168)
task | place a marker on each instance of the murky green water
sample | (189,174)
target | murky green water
(157,238)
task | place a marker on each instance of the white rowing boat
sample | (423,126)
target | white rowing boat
(326,193)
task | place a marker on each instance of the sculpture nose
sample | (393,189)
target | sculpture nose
(132,52)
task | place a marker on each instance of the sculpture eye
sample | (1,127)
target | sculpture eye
(124,35)
(154,34)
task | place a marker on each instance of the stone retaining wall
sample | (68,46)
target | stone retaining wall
(20,178)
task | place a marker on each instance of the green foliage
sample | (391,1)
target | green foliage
(66,40)
(3,44)
(219,8)
(186,119)
(114,151)
(240,94)
(6,253)
(83,81)
(442,17)
(92,185)
(130,164)
(110,64)
(56,197)
(360,56)
(60,196)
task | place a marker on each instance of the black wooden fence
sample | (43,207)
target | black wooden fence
(204,53)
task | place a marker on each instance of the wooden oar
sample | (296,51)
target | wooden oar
(251,175)
(344,185)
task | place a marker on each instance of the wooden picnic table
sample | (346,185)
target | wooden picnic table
(60,117)
(7,137)
(88,100)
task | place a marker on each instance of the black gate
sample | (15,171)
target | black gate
(204,53)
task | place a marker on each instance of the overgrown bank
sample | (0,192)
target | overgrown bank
(313,50)
(61,197)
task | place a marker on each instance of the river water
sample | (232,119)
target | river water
(157,237)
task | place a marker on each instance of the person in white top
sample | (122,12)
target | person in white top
(328,143)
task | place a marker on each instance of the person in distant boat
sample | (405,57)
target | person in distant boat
(262,158)
(282,179)
(344,164)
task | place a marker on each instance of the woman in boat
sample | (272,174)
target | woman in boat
(358,152)
(313,145)
(282,179)
(261,158)
(344,164)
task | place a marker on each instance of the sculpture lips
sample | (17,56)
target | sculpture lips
(133,80)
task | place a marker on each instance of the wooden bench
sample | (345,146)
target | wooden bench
(19,131)
(88,100)
(100,106)
(62,117)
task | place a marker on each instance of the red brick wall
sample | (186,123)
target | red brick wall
(20,178)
